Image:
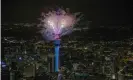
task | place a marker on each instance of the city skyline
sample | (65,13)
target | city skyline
(99,48)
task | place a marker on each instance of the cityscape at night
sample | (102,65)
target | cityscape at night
(66,40)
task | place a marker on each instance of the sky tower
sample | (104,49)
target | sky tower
(55,24)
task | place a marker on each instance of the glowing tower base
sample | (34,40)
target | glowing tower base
(57,55)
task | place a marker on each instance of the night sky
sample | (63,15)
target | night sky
(100,12)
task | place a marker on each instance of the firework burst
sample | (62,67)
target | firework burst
(58,23)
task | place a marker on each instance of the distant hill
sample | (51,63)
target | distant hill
(101,33)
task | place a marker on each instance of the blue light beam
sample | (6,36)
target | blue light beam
(57,46)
